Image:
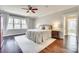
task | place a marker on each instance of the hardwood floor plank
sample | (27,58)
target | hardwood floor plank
(10,45)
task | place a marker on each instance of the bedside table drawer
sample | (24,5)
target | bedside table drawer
(55,34)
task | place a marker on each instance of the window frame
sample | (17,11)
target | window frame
(14,24)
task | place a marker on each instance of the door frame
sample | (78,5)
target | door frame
(65,33)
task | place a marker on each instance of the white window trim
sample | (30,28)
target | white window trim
(14,23)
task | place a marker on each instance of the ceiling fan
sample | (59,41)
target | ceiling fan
(30,8)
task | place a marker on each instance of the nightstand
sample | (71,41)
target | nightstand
(55,34)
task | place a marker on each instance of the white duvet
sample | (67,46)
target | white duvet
(38,36)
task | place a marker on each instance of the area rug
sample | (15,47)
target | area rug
(28,46)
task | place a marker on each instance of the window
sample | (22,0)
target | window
(23,24)
(10,23)
(72,25)
(16,23)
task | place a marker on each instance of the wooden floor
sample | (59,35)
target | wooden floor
(59,47)
(11,46)
(55,47)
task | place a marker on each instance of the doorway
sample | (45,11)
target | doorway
(70,31)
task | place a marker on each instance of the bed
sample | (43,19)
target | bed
(39,35)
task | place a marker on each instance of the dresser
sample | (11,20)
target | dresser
(55,34)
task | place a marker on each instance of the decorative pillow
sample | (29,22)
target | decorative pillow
(45,27)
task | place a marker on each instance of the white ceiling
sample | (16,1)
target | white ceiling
(42,9)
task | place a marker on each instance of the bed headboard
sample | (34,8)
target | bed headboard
(46,27)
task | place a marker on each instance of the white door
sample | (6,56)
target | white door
(71,33)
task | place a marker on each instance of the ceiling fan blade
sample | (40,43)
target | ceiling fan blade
(29,5)
(25,8)
(27,11)
(33,11)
